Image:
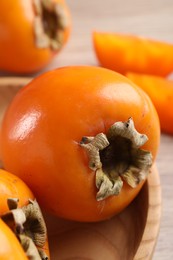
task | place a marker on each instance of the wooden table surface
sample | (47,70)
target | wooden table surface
(151,18)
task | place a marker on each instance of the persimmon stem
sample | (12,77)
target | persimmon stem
(116,157)
(29,226)
(49,22)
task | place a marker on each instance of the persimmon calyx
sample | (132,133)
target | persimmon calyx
(29,226)
(29,247)
(49,22)
(116,157)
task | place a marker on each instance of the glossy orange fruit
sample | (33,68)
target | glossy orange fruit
(124,53)
(32,33)
(10,247)
(12,187)
(43,128)
(160,90)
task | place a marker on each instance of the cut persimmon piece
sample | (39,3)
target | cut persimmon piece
(123,53)
(160,91)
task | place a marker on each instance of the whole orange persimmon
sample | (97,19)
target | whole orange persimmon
(31,33)
(83,138)
(14,188)
(17,200)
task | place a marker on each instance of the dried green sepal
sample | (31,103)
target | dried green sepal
(12,203)
(63,20)
(15,219)
(29,247)
(29,226)
(116,157)
(127,130)
(41,39)
(37,7)
(93,145)
(43,254)
(49,23)
(35,226)
(107,186)
(48,4)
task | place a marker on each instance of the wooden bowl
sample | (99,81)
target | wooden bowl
(132,234)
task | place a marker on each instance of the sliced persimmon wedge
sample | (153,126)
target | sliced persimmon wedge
(160,91)
(123,53)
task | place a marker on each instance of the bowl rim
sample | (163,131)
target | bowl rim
(148,242)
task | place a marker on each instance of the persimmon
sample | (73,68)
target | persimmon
(70,135)
(21,213)
(10,247)
(127,52)
(160,90)
(12,187)
(32,33)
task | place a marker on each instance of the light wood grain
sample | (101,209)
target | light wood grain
(9,87)
(152,227)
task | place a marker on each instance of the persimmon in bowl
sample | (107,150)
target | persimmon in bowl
(118,237)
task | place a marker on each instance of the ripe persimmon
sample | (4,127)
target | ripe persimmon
(12,187)
(32,32)
(20,211)
(74,136)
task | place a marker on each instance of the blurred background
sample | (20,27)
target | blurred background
(150,18)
